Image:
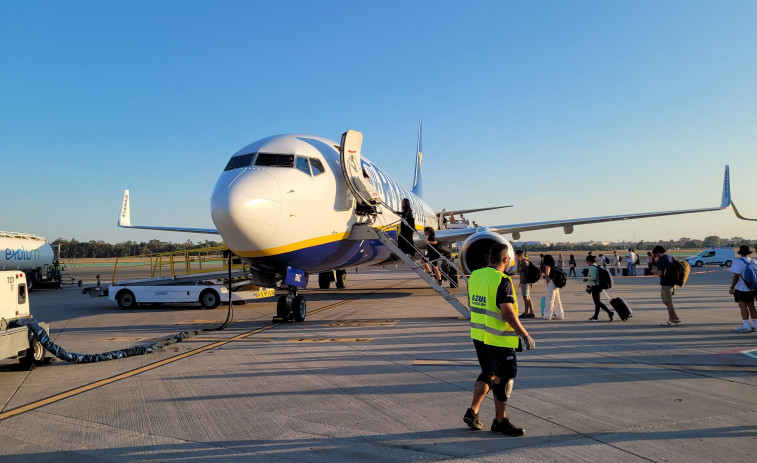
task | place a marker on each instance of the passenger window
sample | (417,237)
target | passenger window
(317,166)
(302,164)
(237,162)
(275,160)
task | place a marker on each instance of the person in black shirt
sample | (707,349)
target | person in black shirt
(405,240)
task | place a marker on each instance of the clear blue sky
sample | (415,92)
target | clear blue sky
(565,109)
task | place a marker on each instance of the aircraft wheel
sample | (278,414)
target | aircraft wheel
(324,280)
(125,299)
(699,263)
(299,309)
(209,299)
(728,263)
(341,279)
(282,311)
(35,354)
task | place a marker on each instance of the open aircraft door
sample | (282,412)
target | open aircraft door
(357,179)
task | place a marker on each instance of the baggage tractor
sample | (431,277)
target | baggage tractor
(621,308)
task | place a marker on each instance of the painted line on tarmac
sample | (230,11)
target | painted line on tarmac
(128,374)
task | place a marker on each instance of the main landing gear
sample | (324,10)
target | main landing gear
(290,307)
(339,276)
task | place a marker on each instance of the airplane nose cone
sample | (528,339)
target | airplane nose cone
(245,208)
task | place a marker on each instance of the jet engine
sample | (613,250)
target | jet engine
(475,251)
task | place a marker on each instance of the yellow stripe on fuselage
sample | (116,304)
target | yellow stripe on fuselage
(302,244)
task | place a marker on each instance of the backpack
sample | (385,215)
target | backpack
(532,273)
(750,274)
(678,272)
(559,278)
(604,279)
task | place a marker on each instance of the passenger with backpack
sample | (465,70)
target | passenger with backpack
(525,287)
(667,284)
(595,288)
(744,288)
(555,279)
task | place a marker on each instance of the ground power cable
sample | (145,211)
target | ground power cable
(72,357)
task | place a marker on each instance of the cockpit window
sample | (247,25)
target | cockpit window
(237,162)
(275,160)
(302,164)
(317,166)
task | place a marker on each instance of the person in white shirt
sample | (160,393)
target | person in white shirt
(631,264)
(616,262)
(741,292)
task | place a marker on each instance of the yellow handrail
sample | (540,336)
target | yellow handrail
(206,259)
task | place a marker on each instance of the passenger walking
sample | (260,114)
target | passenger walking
(432,253)
(493,303)
(631,264)
(603,261)
(594,289)
(407,229)
(616,262)
(525,288)
(553,302)
(559,262)
(667,284)
(650,262)
(572,265)
(742,294)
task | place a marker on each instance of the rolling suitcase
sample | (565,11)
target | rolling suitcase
(621,308)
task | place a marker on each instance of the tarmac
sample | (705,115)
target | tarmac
(384,371)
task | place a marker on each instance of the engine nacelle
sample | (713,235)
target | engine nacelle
(475,251)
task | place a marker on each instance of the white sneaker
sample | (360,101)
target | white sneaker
(743,329)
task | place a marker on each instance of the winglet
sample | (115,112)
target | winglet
(124,218)
(418,177)
(736,211)
(726,190)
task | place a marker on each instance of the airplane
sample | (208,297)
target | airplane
(286,205)
(736,211)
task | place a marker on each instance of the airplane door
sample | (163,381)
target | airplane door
(357,181)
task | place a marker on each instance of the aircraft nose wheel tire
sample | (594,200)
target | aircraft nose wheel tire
(282,311)
(299,309)
(341,279)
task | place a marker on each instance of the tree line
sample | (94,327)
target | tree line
(100,249)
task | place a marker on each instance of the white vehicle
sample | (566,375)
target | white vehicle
(31,254)
(720,256)
(14,304)
(209,295)
(287,205)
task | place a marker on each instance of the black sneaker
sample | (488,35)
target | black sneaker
(523,315)
(530,315)
(472,420)
(507,428)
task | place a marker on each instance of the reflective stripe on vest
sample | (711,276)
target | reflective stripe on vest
(486,320)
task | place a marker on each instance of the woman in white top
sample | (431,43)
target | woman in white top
(553,301)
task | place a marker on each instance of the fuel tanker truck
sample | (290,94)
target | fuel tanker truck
(32,255)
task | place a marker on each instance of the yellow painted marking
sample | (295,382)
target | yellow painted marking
(330,340)
(152,366)
(362,323)
(294,246)
(117,338)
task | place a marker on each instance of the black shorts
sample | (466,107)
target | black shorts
(743,296)
(503,362)
(483,358)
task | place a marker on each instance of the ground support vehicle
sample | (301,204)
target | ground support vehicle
(719,256)
(17,342)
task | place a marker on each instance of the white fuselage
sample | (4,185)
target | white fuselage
(283,201)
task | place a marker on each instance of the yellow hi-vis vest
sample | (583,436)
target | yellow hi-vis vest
(486,322)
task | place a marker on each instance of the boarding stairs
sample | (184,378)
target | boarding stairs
(364,231)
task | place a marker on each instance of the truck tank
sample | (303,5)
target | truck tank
(29,253)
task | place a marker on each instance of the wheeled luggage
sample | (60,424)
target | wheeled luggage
(621,308)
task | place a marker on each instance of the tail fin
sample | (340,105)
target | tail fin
(726,190)
(418,178)
(124,218)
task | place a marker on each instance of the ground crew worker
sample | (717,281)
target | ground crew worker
(494,321)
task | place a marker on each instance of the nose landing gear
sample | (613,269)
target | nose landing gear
(290,307)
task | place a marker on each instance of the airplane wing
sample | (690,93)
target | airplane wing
(460,234)
(466,211)
(736,211)
(124,221)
